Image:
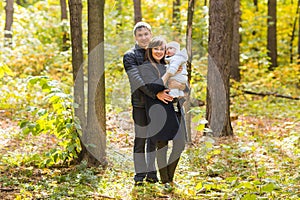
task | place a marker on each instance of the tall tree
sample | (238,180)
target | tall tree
(64,19)
(189,63)
(119,23)
(9,12)
(235,48)
(75,7)
(294,32)
(298,61)
(96,115)
(93,140)
(137,11)
(176,22)
(255,2)
(272,36)
(219,52)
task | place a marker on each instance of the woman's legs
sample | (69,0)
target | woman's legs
(166,166)
(161,156)
(178,147)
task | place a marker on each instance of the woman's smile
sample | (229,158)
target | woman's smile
(158,53)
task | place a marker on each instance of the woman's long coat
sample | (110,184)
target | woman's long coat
(164,122)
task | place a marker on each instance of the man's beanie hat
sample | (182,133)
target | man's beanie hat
(140,25)
(175,45)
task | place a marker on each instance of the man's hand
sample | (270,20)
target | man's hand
(175,84)
(179,70)
(164,96)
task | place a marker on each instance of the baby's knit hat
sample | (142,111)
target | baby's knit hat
(174,44)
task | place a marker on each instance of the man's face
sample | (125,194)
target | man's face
(143,37)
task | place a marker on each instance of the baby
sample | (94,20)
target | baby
(175,58)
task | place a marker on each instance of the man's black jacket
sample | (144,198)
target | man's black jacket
(131,60)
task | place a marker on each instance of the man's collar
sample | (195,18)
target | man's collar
(138,47)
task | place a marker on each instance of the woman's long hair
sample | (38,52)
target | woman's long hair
(155,42)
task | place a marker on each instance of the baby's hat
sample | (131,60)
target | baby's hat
(174,44)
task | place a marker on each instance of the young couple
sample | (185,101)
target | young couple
(158,117)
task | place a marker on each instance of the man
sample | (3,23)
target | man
(144,165)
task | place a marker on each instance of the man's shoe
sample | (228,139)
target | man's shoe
(174,184)
(152,180)
(168,187)
(138,183)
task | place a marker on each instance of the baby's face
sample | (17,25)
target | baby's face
(170,51)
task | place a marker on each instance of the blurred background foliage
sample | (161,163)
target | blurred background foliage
(36,92)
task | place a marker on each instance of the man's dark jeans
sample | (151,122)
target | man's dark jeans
(144,163)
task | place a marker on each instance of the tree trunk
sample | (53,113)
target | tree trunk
(137,11)
(293,34)
(9,11)
(64,18)
(298,61)
(75,7)
(96,118)
(119,23)
(272,39)
(189,65)
(235,49)
(255,2)
(219,51)
(176,23)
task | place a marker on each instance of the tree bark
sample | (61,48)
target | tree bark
(64,18)
(75,7)
(235,49)
(119,23)
(293,33)
(298,60)
(137,11)
(255,2)
(219,50)
(9,12)
(272,36)
(189,65)
(96,118)
(176,23)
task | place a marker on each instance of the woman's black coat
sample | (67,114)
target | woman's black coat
(163,121)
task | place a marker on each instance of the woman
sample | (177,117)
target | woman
(164,123)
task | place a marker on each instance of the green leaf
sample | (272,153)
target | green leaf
(4,69)
(208,145)
(245,184)
(200,127)
(199,186)
(249,197)
(268,187)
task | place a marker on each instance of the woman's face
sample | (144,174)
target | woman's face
(159,52)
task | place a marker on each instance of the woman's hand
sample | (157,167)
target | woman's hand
(164,96)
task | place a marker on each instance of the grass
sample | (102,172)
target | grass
(258,162)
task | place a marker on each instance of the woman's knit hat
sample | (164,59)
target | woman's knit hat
(174,44)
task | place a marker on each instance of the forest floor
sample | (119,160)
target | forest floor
(28,182)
